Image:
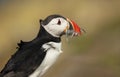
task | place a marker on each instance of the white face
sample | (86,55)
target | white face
(56,26)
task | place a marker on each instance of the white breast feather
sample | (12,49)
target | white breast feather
(51,56)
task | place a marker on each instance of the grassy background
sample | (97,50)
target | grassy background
(94,54)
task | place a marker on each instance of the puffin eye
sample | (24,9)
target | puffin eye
(59,22)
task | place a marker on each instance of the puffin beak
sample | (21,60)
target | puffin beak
(73,29)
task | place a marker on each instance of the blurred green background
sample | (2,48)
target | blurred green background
(94,54)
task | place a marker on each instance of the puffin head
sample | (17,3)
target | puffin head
(57,25)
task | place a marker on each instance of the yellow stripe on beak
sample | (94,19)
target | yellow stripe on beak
(70,22)
(67,27)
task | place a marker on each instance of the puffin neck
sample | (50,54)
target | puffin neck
(44,35)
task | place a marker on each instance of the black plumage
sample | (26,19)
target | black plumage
(29,54)
(49,18)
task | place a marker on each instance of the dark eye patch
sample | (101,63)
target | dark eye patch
(59,22)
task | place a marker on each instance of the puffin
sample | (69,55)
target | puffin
(34,58)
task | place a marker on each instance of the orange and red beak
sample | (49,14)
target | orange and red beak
(73,29)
